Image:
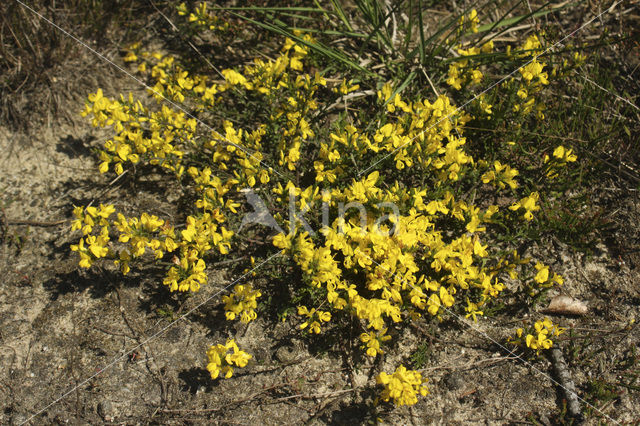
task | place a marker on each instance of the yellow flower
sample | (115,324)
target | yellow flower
(564,154)
(233,77)
(447,299)
(474,20)
(222,361)
(374,340)
(538,338)
(528,204)
(283,241)
(479,249)
(433,304)
(543,273)
(473,310)
(403,386)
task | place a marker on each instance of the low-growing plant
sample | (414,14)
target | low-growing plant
(381,212)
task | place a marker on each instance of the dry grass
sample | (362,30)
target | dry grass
(41,67)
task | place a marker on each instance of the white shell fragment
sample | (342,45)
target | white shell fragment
(565,305)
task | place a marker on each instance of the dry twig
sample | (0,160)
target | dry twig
(566,384)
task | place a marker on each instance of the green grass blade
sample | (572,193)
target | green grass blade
(318,47)
(339,11)
(422,45)
(517,19)
(270,9)
(371,12)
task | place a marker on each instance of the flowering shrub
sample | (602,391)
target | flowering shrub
(385,246)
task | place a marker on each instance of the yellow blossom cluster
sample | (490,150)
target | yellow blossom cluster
(544,278)
(461,73)
(538,338)
(315,318)
(563,155)
(202,18)
(533,78)
(222,359)
(154,137)
(560,158)
(148,231)
(346,87)
(242,302)
(402,386)
(373,341)
(96,245)
(471,20)
(155,234)
(466,70)
(201,235)
(501,176)
(413,266)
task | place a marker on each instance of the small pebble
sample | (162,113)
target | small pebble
(286,354)
(106,410)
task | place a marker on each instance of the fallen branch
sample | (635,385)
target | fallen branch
(35,222)
(314,396)
(568,388)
